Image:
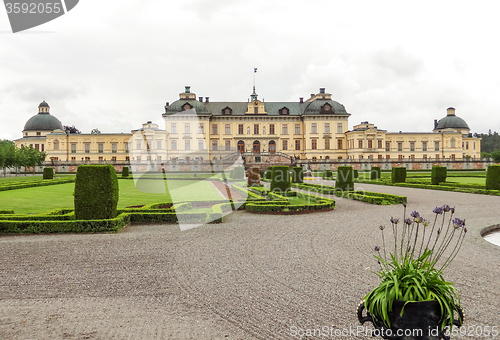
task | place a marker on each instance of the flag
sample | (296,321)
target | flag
(255,70)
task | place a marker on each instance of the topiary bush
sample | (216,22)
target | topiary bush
(345,178)
(280,178)
(398,175)
(328,173)
(238,173)
(356,173)
(96,192)
(493,177)
(375,173)
(269,172)
(253,176)
(297,174)
(125,171)
(48,173)
(438,174)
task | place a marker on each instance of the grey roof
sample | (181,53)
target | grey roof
(451,122)
(43,104)
(43,121)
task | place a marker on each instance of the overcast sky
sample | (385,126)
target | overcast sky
(112,65)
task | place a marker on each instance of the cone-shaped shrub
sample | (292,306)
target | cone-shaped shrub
(345,178)
(238,173)
(280,178)
(398,175)
(375,173)
(438,174)
(125,171)
(48,173)
(493,177)
(297,174)
(96,192)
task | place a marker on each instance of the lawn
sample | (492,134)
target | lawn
(23,178)
(44,199)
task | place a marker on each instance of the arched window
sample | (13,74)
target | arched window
(241,146)
(256,146)
(56,145)
(272,146)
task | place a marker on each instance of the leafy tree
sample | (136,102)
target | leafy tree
(71,129)
(95,131)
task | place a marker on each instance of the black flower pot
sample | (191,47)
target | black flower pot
(420,321)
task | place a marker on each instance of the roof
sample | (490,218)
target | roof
(43,104)
(43,121)
(451,122)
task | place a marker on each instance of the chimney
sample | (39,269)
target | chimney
(312,95)
(166,104)
(206,99)
(187,89)
(301,100)
(435,123)
(450,111)
(200,99)
(322,90)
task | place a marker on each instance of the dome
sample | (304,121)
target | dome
(451,121)
(316,106)
(43,122)
(177,106)
(43,104)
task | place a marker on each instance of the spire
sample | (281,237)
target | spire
(254,95)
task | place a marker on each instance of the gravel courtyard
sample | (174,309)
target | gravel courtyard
(253,277)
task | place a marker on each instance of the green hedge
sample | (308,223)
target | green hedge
(375,173)
(125,171)
(48,173)
(297,174)
(31,184)
(438,174)
(493,177)
(345,178)
(96,192)
(398,175)
(327,174)
(280,178)
(6,212)
(269,173)
(356,173)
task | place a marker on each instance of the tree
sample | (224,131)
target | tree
(71,129)
(95,131)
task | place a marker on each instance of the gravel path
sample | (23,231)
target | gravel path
(252,277)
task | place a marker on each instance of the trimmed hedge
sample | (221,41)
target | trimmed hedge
(32,184)
(438,174)
(48,173)
(125,171)
(297,174)
(238,173)
(280,178)
(398,175)
(328,173)
(269,173)
(356,173)
(6,212)
(96,192)
(375,173)
(493,177)
(345,178)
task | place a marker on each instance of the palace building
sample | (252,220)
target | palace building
(197,129)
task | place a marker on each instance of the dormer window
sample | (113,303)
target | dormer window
(227,110)
(284,111)
(186,107)
(326,108)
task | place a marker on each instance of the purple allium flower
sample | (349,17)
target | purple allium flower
(446,208)
(425,222)
(382,227)
(394,220)
(452,210)
(377,248)
(419,219)
(408,221)
(438,210)
(458,223)
(415,214)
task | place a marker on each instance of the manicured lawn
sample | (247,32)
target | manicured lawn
(467,180)
(45,199)
(27,178)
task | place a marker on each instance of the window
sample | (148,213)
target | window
(452,143)
(297,144)
(56,145)
(327,144)
(38,133)
(87,147)
(466,145)
(158,144)
(285,144)
(379,144)
(271,129)
(339,127)
(297,129)
(214,145)
(43,146)
(339,144)
(87,159)
(256,129)
(284,129)
(100,159)
(360,143)
(412,156)
(387,157)
(227,129)
(228,145)
(173,127)
(400,157)
(400,146)
(214,129)
(187,128)
(37,146)
(314,144)
(187,144)
(314,128)
(452,156)
(424,156)
(200,144)
(379,157)
(114,147)
(240,129)
(327,127)
(126,146)
(73,147)
(174,145)
(424,146)
(100,147)
(200,128)
(272,146)
(437,156)
(387,146)
(436,146)
(370,144)
(412,146)
(113,159)
(138,145)
(73,158)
